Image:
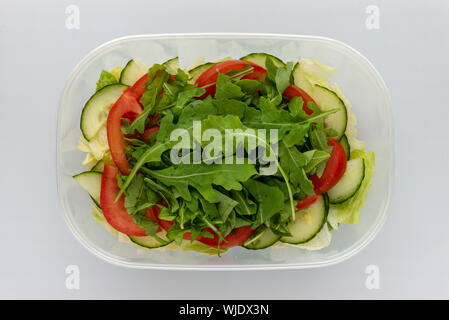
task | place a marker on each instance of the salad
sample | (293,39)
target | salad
(254,152)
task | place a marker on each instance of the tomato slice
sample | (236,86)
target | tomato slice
(115,212)
(210,75)
(334,170)
(136,91)
(308,201)
(294,91)
(235,238)
(125,105)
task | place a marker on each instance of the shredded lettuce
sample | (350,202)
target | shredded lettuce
(316,72)
(106,78)
(97,148)
(116,72)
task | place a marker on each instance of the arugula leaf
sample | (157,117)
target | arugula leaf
(281,76)
(188,94)
(270,199)
(225,206)
(315,158)
(249,86)
(106,78)
(295,106)
(226,89)
(146,223)
(293,163)
(245,206)
(284,77)
(157,77)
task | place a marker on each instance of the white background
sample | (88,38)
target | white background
(37,53)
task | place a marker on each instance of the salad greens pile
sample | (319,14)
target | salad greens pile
(223,195)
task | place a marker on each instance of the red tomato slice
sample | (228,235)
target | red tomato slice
(115,212)
(138,88)
(308,201)
(124,105)
(335,168)
(294,91)
(235,238)
(210,75)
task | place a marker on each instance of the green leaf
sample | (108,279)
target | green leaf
(146,223)
(295,106)
(186,96)
(315,158)
(249,86)
(202,177)
(133,194)
(225,206)
(283,77)
(106,78)
(226,89)
(245,206)
(157,77)
(293,162)
(270,199)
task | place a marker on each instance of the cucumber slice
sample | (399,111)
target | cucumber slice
(98,167)
(308,222)
(133,71)
(152,242)
(300,79)
(261,241)
(96,109)
(260,58)
(172,63)
(91,182)
(345,144)
(197,71)
(326,100)
(349,183)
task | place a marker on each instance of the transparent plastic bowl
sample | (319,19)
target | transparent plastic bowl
(356,76)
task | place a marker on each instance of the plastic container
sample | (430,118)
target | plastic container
(356,76)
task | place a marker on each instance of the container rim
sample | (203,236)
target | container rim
(344,255)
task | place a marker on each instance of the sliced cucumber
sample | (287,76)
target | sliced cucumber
(91,182)
(300,79)
(197,71)
(327,100)
(133,71)
(96,109)
(98,167)
(308,222)
(349,183)
(263,240)
(345,144)
(152,242)
(172,63)
(260,58)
